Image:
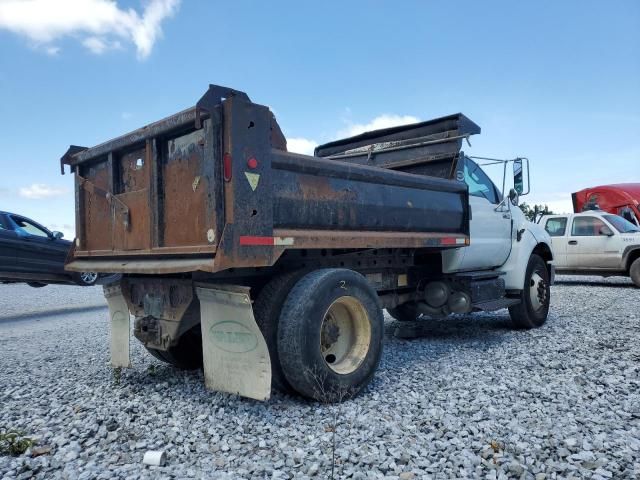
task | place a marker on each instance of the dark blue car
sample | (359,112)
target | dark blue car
(33,254)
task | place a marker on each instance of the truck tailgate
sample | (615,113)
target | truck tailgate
(149,191)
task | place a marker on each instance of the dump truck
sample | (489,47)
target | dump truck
(271,269)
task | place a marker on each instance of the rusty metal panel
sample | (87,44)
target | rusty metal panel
(134,169)
(311,193)
(135,236)
(95,229)
(189,217)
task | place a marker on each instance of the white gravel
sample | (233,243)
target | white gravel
(470,399)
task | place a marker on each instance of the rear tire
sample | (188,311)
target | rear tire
(266,310)
(186,355)
(406,312)
(634,272)
(533,309)
(330,335)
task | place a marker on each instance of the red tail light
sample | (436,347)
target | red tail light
(226,165)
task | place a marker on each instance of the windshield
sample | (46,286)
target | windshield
(621,225)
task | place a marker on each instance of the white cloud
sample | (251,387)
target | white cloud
(52,50)
(100,25)
(39,191)
(306,146)
(301,145)
(382,121)
(96,45)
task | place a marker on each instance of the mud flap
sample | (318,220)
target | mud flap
(120,327)
(235,354)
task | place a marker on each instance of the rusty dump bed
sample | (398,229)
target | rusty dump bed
(213,188)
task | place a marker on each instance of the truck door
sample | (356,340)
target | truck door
(592,244)
(556,227)
(490,224)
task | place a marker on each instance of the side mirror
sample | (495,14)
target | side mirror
(604,230)
(57,235)
(518,176)
(514,197)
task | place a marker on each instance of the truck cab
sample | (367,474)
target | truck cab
(594,243)
(620,199)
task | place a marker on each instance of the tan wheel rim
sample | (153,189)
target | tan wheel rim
(345,335)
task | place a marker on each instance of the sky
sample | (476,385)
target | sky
(556,82)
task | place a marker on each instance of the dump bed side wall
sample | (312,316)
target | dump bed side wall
(324,195)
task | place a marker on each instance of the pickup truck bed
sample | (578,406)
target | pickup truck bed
(213,188)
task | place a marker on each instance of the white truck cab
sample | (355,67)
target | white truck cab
(502,238)
(594,243)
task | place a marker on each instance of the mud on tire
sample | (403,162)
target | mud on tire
(330,335)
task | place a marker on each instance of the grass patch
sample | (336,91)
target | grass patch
(13,442)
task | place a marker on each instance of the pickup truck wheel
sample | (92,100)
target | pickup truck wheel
(533,308)
(634,272)
(406,312)
(330,335)
(186,355)
(266,310)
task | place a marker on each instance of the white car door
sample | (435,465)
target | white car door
(556,227)
(490,226)
(592,244)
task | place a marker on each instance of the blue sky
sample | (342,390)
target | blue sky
(558,82)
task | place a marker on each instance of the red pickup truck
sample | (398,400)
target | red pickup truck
(620,199)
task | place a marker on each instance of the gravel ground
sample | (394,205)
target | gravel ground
(471,398)
(18,300)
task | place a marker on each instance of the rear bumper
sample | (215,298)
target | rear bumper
(149,266)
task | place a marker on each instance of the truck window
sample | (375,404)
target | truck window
(556,226)
(587,227)
(628,215)
(3,224)
(621,225)
(480,185)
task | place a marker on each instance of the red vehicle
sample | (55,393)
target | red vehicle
(620,199)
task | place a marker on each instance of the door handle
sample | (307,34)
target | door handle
(573,242)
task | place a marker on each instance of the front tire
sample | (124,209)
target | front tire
(330,335)
(533,309)
(634,272)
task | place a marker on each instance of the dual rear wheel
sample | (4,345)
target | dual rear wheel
(324,331)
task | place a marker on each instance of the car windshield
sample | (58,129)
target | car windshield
(621,225)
